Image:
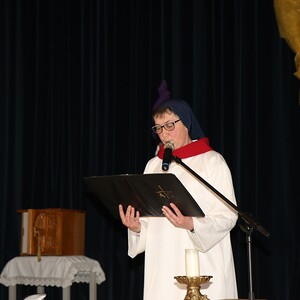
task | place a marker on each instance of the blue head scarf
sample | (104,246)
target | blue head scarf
(180,108)
(186,115)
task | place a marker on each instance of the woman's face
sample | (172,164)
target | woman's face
(179,135)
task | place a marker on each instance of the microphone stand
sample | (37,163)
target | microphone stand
(248,227)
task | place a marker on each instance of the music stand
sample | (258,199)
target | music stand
(147,193)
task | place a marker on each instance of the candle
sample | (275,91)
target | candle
(192,262)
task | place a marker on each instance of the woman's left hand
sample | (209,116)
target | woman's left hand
(177,218)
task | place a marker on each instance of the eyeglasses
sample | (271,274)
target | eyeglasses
(169,126)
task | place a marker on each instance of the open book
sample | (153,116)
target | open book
(147,193)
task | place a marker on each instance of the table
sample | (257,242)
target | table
(60,271)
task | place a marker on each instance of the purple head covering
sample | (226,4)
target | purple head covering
(164,94)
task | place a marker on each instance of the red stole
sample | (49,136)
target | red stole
(189,150)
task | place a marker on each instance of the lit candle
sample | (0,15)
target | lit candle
(192,262)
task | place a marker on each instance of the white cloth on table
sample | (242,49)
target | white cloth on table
(60,271)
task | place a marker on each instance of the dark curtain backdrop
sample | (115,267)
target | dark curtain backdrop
(77,83)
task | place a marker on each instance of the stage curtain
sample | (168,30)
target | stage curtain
(77,83)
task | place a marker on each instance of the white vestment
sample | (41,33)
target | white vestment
(165,245)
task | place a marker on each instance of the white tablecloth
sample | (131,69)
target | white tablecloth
(60,271)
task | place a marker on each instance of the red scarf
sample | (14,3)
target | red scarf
(189,150)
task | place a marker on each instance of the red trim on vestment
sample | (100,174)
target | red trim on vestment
(189,150)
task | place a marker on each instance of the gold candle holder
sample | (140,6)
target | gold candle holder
(193,286)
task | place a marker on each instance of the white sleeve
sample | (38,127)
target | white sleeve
(137,241)
(220,217)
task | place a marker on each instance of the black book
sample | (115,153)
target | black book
(147,193)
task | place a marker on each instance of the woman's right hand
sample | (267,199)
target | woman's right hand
(131,218)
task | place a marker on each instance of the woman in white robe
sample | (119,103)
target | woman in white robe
(164,239)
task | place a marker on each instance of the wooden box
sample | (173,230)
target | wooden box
(52,231)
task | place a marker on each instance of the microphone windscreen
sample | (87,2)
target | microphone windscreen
(169,145)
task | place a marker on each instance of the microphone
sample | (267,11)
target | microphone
(167,158)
